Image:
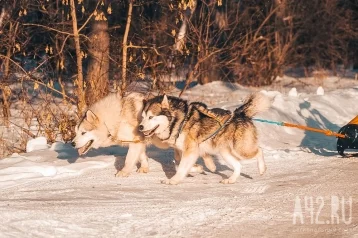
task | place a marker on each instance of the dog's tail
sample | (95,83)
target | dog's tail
(254,104)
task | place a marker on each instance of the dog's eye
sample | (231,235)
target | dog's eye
(83,133)
(150,117)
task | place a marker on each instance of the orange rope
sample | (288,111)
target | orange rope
(326,132)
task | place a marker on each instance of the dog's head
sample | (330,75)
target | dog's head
(156,116)
(90,133)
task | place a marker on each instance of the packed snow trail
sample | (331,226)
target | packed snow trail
(97,204)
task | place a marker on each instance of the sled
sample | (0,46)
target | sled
(350,140)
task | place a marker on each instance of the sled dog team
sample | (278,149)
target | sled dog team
(191,129)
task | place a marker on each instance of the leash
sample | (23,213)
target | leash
(125,141)
(302,127)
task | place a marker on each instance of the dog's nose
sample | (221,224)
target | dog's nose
(73,143)
(141,127)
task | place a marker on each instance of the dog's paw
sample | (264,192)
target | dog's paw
(143,170)
(122,174)
(169,182)
(228,181)
(262,170)
(197,168)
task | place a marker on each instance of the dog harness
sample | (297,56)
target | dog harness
(208,113)
(220,128)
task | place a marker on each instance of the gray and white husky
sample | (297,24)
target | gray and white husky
(195,131)
(114,120)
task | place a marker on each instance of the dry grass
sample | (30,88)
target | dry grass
(320,75)
(31,115)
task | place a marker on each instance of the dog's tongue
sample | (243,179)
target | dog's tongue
(81,150)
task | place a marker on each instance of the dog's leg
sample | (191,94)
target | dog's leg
(186,163)
(209,163)
(261,162)
(134,152)
(177,157)
(144,166)
(197,168)
(236,165)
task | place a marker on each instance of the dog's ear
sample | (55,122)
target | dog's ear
(91,117)
(165,102)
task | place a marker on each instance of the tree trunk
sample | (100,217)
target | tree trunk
(80,91)
(98,68)
(279,24)
(8,53)
(209,70)
(6,92)
(12,35)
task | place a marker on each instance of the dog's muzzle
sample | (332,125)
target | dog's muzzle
(84,149)
(148,133)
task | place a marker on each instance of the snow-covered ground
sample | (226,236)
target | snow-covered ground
(308,190)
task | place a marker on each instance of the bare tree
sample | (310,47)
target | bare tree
(80,84)
(98,67)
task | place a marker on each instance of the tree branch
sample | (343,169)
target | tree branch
(30,76)
(125,47)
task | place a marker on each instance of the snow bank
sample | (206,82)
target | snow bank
(39,143)
(60,161)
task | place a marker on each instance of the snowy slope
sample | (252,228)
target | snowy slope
(54,193)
